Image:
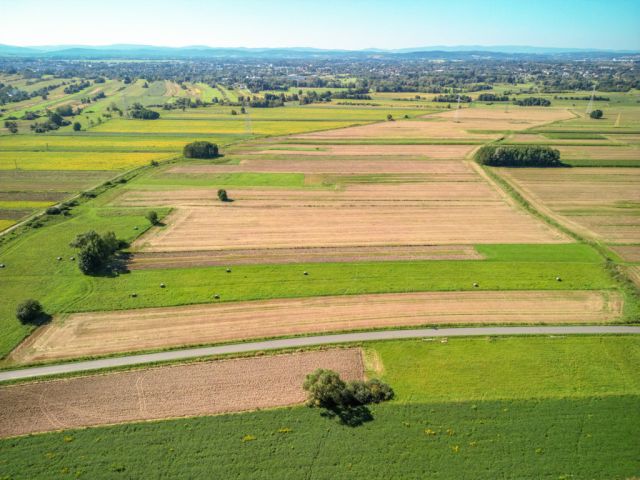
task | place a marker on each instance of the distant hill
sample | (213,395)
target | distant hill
(434,52)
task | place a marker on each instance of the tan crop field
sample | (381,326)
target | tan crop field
(438,152)
(600,202)
(431,212)
(599,153)
(629,253)
(149,260)
(100,333)
(472,123)
(204,388)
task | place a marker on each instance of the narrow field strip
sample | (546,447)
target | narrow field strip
(101,333)
(167,392)
(151,260)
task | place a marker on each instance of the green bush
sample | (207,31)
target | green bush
(200,150)
(518,156)
(326,389)
(596,114)
(152,216)
(29,311)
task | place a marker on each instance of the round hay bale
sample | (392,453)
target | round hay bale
(162,285)
(558,279)
(59,258)
(475,285)
(228,270)
(1,265)
(134,295)
(305,273)
(216,296)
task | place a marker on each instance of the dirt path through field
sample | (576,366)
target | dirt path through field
(101,333)
(204,388)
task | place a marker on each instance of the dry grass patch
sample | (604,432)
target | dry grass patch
(101,333)
(438,152)
(166,392)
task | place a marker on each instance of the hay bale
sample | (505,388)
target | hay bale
(162,285)
(134,295)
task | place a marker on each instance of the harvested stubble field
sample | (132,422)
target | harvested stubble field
(203,388)
(437,152)
(76,160)
(150,260)
(437,212)
(100,333)
(473,123)
(629,253)
(602,153)
(600,202)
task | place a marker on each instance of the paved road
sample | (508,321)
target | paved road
(306,342)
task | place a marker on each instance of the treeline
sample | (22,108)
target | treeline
(492,97)
(77,87)
(518,156)
(137,110)
(597,98)
(452,98)
(533,102)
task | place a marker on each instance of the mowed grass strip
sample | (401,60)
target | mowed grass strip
(76,160)
(464,369)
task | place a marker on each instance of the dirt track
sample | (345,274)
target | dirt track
(99,333)
(150,260)
(176,391)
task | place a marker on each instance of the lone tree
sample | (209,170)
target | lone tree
(222,195)
(30,311)
(77,126)
(597,114)
(327,390)
(152,216)
(96,250)
(200,150)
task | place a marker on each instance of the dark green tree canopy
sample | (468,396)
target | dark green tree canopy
(200,150)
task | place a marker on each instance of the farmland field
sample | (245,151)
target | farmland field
(532,407)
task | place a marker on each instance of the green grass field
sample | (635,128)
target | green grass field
(559,432)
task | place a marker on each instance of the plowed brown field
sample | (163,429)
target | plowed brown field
(164,392)
(99,333)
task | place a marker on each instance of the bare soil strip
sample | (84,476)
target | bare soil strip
(151,260)
(101,333)
(165,392)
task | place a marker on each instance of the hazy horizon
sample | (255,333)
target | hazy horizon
(330,24)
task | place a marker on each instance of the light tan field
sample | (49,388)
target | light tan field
(437,152)
(101,333)
(472,123)
(333,166)
(599,153)
(150,260)
(204,388)
(436,211)
(599,202)
(629,253)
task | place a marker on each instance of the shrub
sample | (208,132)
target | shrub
(518,156)
(597,114)
(53,211)
(152,216)
(77,126)
(200,150)
(29,311)
(222,195)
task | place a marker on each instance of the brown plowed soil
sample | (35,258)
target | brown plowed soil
(99,333)
(150,260)
(164,392)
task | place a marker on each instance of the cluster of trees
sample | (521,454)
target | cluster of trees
(326,389)
(137,110)
(518,156)
(533,102)
(54,121)
(11,125)
(98,96)
(30,312)
(452,98)
(492,97)
(200,149)
(9,94)
(96,251)
(314,97)
(596,114)
(76,87)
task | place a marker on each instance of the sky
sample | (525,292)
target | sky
(345,24)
